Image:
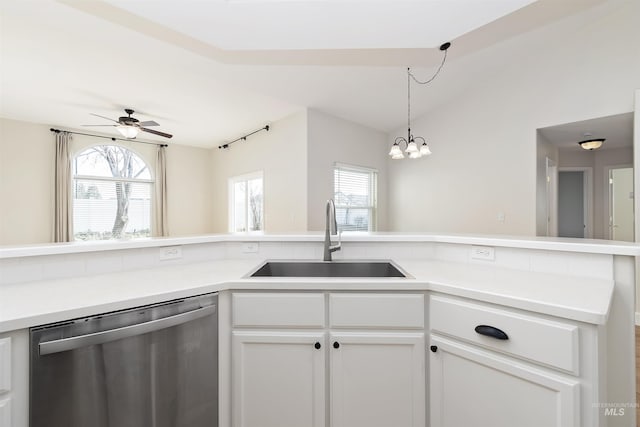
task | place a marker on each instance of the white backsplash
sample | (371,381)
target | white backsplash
(27,269)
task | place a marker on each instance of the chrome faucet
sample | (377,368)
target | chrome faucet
(331,228)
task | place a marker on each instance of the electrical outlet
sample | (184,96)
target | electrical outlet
(170,252)
(250,247)
(486,253)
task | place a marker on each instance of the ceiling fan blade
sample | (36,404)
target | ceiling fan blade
(149,123)
(155,132)
(106,118)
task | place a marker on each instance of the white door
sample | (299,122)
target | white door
(278,379)
(377,379)
(621,204)
(473,387)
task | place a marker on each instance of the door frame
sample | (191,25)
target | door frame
(607,194)
(552,196)
(587,195)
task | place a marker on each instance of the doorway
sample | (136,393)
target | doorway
(574,190)
(621,197)
(558,145)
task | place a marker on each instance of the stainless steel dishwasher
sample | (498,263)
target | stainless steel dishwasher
(152,366)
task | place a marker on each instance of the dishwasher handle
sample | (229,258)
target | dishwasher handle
(73,343)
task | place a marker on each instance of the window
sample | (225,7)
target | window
(355,196)
(112,189)
(246,203)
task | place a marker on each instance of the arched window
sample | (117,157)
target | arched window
(112,189)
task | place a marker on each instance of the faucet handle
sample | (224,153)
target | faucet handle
(338,245)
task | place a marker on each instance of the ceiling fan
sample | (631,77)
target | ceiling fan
(129,126)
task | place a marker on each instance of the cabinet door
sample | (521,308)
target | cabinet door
(5,412)
(377,379)
(474,387)
(278,379)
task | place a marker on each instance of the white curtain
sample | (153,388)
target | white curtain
(63,210)
(161,224)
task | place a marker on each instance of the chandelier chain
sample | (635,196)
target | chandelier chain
(409,102)
(412,149)
(444,58)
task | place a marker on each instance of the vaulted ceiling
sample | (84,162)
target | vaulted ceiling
(209,71)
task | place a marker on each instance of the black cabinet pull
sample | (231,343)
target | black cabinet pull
(492,332)
(317,346)
(434,348)
(336,344)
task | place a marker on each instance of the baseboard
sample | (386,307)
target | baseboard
(637,319)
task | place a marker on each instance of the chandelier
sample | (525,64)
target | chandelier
(413,150)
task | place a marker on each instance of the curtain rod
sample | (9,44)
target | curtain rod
(243,138)
(113,138)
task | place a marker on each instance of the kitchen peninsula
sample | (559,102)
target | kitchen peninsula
(566,308)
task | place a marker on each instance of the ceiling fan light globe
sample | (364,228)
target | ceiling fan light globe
(398,156)
(128,131)
(415,155)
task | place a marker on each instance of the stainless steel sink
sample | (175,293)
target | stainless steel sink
(328,269)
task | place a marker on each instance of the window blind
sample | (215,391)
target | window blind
(95,207)
(355,197)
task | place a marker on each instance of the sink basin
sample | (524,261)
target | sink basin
(328,269)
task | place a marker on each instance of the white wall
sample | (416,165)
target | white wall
(27,153)
(332,140)
(27,159)
(189,189)
(281,154)
(484,142)
(297,156)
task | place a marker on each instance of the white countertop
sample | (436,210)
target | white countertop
(526,242)
(23,305)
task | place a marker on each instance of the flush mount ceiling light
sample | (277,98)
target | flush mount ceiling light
(411,146)
(590,143)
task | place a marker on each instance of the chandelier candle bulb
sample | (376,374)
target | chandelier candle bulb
(424,149)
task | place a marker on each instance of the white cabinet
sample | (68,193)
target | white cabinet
(14,378)
(491,366)
(369,373)
(473,387)
(278,379)
(548,342)
(5,412)
(5,382)
(377,360)
(377,379)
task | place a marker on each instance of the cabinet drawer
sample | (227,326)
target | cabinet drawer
(5,365)
(537,339)
(279,310)
(377,311)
